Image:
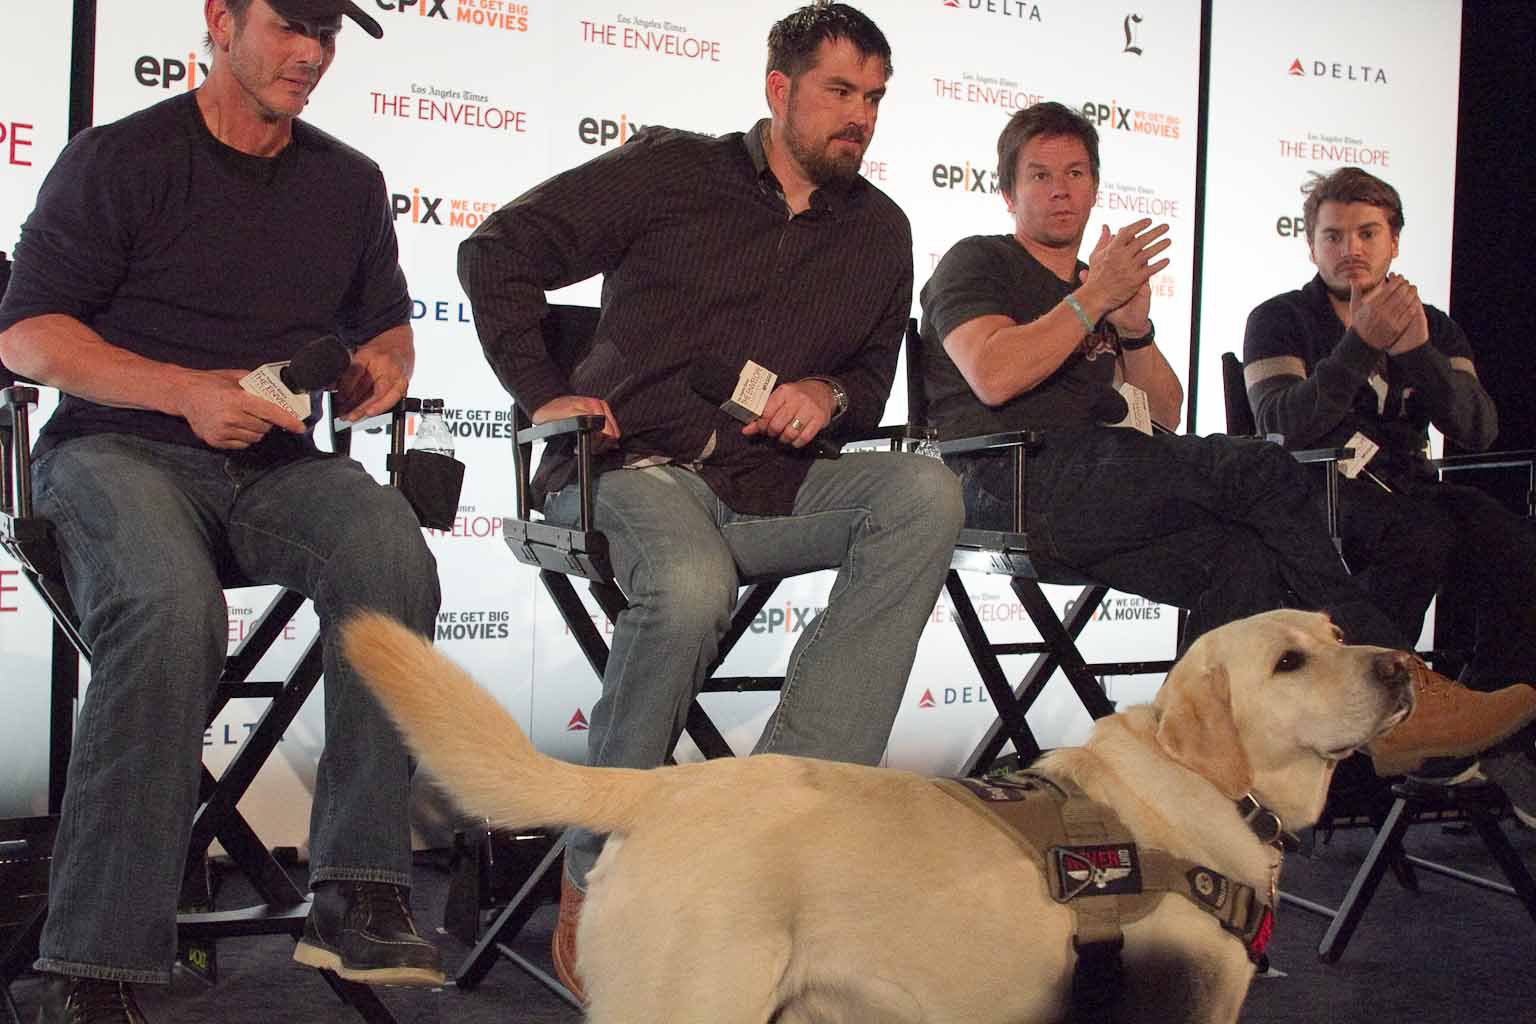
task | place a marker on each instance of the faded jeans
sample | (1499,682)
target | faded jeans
(887,522)
(148,532)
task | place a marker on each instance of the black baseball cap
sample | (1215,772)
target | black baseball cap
(327,9)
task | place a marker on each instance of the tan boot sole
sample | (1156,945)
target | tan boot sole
(404,977)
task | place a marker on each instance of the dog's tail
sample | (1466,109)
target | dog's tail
(473,747)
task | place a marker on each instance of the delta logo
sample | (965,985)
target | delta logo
(651,37)
(442,311)
(166,73)
(1017,9)
(469,524)
(950,696)
(476,624)
(417,207)
(493,15)
(966,177)
(1366,74)
(1129,119)
(578,722)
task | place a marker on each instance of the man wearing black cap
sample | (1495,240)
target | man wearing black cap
(169,254)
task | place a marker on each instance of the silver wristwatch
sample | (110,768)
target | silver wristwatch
(839,395)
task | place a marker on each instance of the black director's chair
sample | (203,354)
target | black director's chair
(1391,807)
(283,907)
(564,555)
(1008,553)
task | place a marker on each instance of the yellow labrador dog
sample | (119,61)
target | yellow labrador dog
(784,890)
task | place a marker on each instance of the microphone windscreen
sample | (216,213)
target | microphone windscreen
(712,378)
(1109,406)
(318,365)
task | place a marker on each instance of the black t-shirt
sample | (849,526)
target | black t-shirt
(989,275)
(173,246)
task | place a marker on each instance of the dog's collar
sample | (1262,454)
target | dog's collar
(1266,824)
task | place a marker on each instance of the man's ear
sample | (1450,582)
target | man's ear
(1196,728)
(777,90)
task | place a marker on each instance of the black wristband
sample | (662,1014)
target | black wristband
(1132,344)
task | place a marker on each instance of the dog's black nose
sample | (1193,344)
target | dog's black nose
(1391,668)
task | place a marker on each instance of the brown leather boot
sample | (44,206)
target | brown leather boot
(562,947)
(1449,720)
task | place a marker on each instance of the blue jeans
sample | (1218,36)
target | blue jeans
(1225,527)
(148,531)
(1405,545)
(887,522)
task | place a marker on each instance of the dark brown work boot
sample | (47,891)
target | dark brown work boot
(1449,720)
(562,948)
(363,931)
(68,1000)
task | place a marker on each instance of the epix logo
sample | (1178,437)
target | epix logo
(496,14)
(965,178)
(1129,119)
(600,131)
(169,72)
(1291,227)
(431,211)
(425,8)
(490,624)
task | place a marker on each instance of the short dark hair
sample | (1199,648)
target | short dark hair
(794,40)
(1049,119)
(1350,185)
(238,8)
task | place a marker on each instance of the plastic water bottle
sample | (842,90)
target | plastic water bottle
(929,445)
(432,433)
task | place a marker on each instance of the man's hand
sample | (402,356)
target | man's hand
(225,415)
(378,377)
(794,413)
(1134,319)
(567,406)
(1390,318)
(1121,265)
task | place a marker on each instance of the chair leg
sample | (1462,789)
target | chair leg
(1010,710)
(12,1011)
(1063,643)
(1509,861)
(508,924)
(361,998)
(1363,887)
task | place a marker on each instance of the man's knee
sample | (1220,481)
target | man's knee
(693,592)
(384,562)
(923,497)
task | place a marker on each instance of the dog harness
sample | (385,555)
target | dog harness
(1092,864)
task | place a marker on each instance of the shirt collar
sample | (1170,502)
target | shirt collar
(827,199)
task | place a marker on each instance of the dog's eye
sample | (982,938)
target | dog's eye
(1290,661)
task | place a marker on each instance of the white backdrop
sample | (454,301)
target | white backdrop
(467,103)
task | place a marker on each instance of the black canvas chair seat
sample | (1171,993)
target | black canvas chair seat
(283,906)
(1008,553)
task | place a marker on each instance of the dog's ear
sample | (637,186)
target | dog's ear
(1196,727)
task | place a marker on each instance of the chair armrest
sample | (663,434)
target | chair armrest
(555,428)
(1311,455)
(1026,439)
(1513,459)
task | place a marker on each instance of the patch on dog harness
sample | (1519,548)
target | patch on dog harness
(1110,870)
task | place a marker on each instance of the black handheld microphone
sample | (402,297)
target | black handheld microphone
(1109,406)
(742,395)
(317,366)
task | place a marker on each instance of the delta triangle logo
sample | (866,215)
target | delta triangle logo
(1296,69)
(926,700)
(951,3)
(578,722)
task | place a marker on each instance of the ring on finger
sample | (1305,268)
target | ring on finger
(796,423)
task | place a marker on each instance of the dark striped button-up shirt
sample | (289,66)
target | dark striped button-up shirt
(700,257)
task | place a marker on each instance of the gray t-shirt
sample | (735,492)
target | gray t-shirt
(988,275)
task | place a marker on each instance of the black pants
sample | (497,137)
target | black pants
(1224,527)
(1405,545)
